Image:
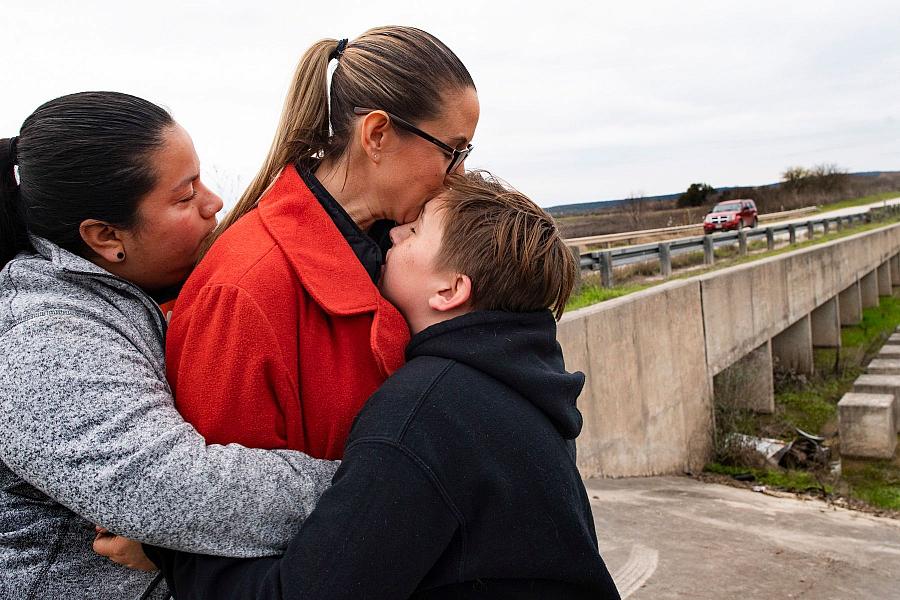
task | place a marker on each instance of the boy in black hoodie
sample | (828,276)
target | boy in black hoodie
(459,477)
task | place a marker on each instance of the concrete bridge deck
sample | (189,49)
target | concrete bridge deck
(674,537)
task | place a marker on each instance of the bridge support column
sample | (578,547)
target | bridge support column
(748,383)
(825,323)
(895,269)
(792,349)
(884,279)
(850,305)
(868,289)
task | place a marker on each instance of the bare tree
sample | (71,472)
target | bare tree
(634,207)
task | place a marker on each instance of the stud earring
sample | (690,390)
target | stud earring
(120,255)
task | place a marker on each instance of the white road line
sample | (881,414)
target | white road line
(641,565)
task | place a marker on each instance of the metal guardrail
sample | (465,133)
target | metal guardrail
(610,238)
(606,261)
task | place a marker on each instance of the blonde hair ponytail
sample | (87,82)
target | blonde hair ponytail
(302,130)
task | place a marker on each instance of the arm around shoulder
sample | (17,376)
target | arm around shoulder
(87,419)
(376,533)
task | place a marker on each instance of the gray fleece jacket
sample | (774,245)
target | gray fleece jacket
(89,435)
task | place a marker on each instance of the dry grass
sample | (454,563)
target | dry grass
(657,214)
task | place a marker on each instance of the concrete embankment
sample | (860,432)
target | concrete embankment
(653,358)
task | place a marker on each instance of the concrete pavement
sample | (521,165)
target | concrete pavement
(675,537)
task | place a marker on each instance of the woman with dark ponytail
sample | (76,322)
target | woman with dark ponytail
(102,211)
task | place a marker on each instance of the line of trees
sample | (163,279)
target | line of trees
(799,186)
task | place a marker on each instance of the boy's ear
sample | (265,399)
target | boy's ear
(454,294)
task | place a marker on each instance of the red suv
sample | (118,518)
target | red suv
(731,214)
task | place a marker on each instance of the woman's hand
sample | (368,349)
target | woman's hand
(123,551)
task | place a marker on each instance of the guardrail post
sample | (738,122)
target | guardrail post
(742,242)
(770,238)
(606,269)
(665,259)
(826,225)
(709,254)
(792,234)
(810,230)
(840,224)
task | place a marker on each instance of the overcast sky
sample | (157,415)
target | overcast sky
(580,101)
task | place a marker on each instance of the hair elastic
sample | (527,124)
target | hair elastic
(14,149)
(339,50)
(335,54)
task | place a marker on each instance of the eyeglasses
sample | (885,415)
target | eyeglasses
(456,156)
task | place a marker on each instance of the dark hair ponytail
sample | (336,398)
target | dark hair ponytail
(12,231)
(81,156)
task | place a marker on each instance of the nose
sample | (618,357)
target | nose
(399,233)
(212,205)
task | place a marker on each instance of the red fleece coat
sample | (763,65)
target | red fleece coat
(279,336)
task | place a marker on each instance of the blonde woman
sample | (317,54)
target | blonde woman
(280,334)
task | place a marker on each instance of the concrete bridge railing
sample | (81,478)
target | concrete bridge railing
(652,358)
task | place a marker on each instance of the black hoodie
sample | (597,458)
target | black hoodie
(458,481)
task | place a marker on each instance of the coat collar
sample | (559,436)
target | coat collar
(65,260)
(326,265)
(315,248)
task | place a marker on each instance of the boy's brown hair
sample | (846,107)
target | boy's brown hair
(508,246)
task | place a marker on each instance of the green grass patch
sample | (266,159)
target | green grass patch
(876,325)
(807,409)
(591,293)
(789,480)
(859,201)
(875,482)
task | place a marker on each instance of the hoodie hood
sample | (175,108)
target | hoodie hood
(517,349)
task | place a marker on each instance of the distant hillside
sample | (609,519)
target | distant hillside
(588,207)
